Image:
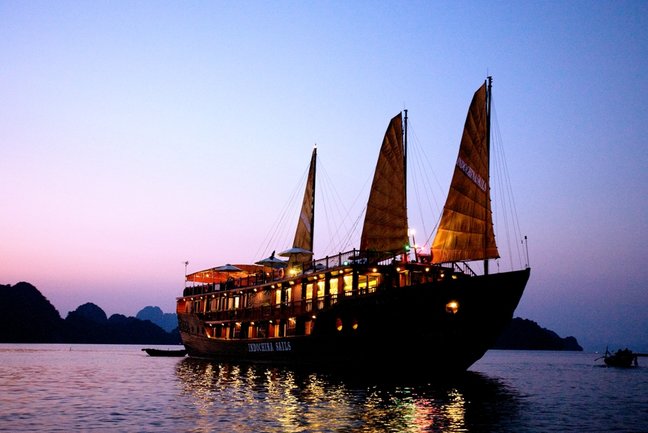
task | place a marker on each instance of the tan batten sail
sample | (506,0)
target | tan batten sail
(466,228)
(385,225)
(303,244)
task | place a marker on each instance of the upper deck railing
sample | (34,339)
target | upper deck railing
(296,270)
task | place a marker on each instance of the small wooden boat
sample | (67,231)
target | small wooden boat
(164,352)
(622,358)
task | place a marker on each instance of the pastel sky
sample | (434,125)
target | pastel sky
(137,135)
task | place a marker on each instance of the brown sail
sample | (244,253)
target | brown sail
(302,249)
(466,228)
(385,225)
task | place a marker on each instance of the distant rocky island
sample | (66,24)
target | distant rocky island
(524,334)
(166,321)
(26,316)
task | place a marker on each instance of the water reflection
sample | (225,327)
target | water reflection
(255,398)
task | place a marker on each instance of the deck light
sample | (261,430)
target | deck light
(452,307)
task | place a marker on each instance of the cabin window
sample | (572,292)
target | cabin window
(288,293)
(309,297)
(274,330)
(333,290)
(282,329)
(320,294)
(348,285)
(404,276)
(252,330)
(362,284)
(368,283)
(262,331)
(237,301)
(308,327)
(237,330)
(278,297)
(292,326)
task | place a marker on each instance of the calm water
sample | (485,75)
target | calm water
(120,388)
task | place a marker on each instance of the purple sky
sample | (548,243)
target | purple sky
(137,135)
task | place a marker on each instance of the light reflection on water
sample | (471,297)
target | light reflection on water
(104,388)
(283,399)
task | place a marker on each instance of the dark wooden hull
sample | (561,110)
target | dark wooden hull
(624,360)
(401,328)
(164,352)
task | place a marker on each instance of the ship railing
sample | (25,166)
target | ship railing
(352,257)
(464,268)
(235,283)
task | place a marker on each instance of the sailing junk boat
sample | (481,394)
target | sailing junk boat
(372,309)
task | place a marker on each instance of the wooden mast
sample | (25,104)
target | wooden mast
(405,247)
(314,167)
(487,192)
